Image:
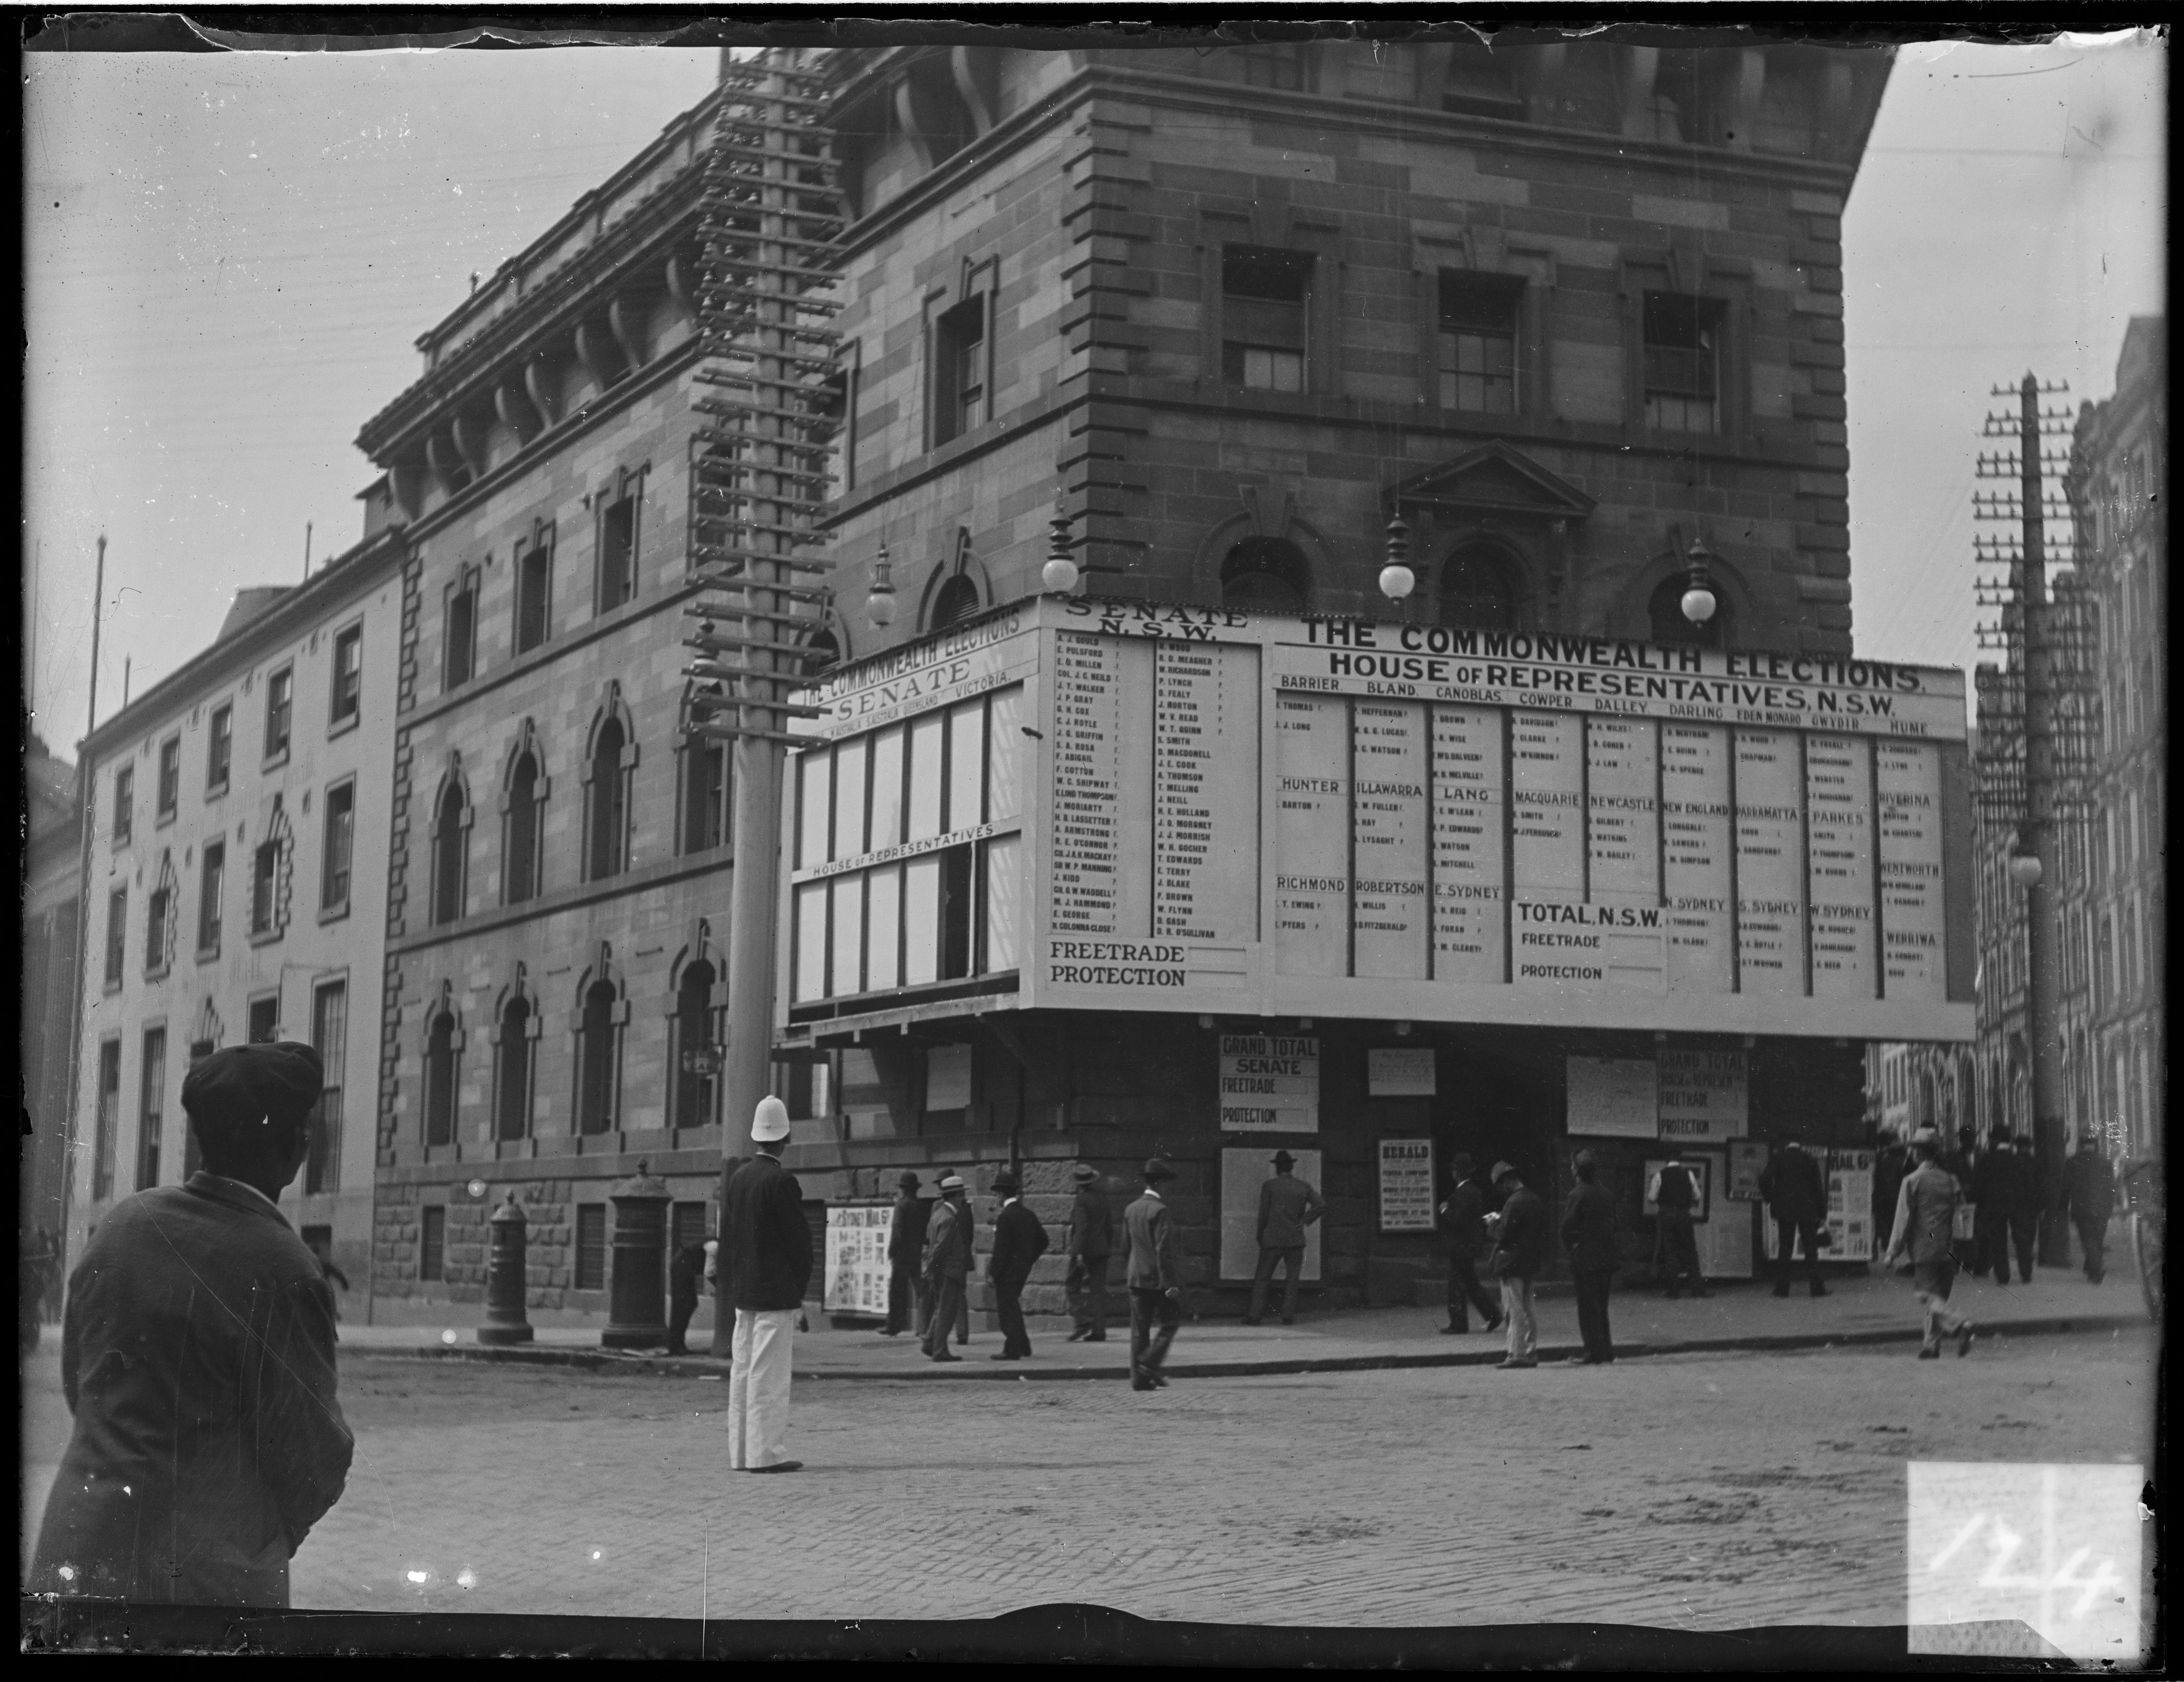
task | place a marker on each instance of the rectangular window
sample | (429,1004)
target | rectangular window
(1682,339)
(618,546)
(280,697)
(341,841)
(590,1246)
(349,675)
(329,1039)
(170,775)
(221,748)
(534,590)
(266,1020)
(1478,343)
(117,934)
(461,633)
(109,1117)
(432,1244)
(153,1103)
(156,910)
(959,369)
(125,805)
(1276,67)
(209,892)
(705,794)
(263,867)
(1263,295)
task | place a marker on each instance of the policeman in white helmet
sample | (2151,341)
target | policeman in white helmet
(765,1266)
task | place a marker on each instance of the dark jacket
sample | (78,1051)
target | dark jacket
(1287,1206)
(2031,1186)
(1019,1240)
(1155,1246)
(1520,1247)
(686,1268)
(2088,1186)
(1676,1195)
(1091,1235)
(766,1243)
(906,1235)
(1793,1188)
(1891,1165)
(1462,1219)
(197,1357)
(948,1236)
(1995,1176)
(1589,1229)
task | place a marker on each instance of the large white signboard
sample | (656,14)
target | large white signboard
(1099,805)
(1269,1083)
(1612,1097)
(1243,1170)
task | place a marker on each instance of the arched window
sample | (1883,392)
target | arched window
(1665,614)
(1265,575)
(697,1088)
(511,1101)
(520,872)
(822,650)
(606,812)
(958,600)
(595,1060)
(449,831)
(1475,592)
(440,1080)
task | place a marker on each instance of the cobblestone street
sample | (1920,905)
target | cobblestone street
(1701,1492)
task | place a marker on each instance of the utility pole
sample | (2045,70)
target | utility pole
(758,483)
(307,549)
(84,803)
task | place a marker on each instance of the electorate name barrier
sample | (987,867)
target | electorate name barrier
(1105,805)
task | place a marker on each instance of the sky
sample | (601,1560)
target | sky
(228,260)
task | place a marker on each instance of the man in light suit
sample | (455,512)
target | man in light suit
(1287,1206)
(1156,1279)
(947,1266)
(197,1357)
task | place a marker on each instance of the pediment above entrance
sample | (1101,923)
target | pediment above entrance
(1496,479)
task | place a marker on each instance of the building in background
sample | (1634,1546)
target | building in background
(52,878)
(236,888)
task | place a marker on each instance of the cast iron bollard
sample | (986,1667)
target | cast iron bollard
(639,1298)
(504,1319)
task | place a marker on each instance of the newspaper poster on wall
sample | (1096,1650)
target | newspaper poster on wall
(1399,1072)
(856,1257)
(1406,1186)
(1846,1231)
(1747,1160)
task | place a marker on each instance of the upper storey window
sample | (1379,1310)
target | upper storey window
(125,805)
(618,507)
(534,588)
(1683,362)
(1478,343)
(959,363)
(1272,66)
(280,694)
(1263,298)
(349,675)
(170,775)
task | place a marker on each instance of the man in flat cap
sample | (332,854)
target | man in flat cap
(947,1266)
(197,1357)
(906,1249)
(765,1267)
(1089,1243)
(1019,1240)
(1287,1206)
(1156,1277)
(1926,1204)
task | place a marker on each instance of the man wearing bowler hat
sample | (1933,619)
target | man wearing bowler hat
(1090,1241)
(197,1357)
(1156,1277)
(764,1266)
(906,1249)
(1019,1240)
(1287,1206)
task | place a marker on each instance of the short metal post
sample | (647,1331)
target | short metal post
(638,1293)
(506,1321)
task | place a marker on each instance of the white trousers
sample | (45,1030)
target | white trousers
(758,1387)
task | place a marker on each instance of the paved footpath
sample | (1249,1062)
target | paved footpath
(1699,1491)
(1858,1309)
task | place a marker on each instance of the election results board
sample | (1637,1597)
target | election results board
(1203,811)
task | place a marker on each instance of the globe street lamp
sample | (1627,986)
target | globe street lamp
(1397,580)
(879,600)
(1060,574)
(1698,602)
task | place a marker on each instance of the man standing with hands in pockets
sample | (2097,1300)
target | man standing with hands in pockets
(1156,1277)
(764,1265)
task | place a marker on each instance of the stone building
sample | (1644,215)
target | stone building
(1565,309)
(236,887)
(53,878)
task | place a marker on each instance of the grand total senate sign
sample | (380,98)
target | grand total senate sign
(1090,805)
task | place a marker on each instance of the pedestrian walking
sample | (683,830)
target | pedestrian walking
(1287,1206)
(1796,1197)
(1089,1243)
(765,1267)
(1520,1250)
(946,1266)
(1019,1240)
(1463,1220)
(1676,1240)
(1925,1220)
(1155,1274)
(925,1292)
(906,1255)
(1891,1162)
(2028,1197)
(1588,1232)
(1958,1161)
(1994,1173)
(687,1275)
(197,1357)
(2089,1198)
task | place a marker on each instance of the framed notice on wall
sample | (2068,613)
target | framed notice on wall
(1614,1097)
(1406,1186)
(1269,1083)
(1747,1160)
(856,1278)
(1244,1170)
(1703,1095)
(1400,1071)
